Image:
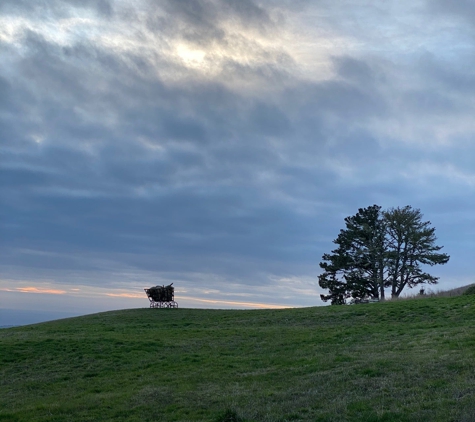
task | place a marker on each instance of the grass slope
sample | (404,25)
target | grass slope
(394,361)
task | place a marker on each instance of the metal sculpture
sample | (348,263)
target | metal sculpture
(161,296)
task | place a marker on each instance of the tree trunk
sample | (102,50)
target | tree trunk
(381,282)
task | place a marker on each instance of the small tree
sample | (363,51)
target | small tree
(380,249)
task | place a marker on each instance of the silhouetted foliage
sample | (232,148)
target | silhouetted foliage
(411,243)
(377,250)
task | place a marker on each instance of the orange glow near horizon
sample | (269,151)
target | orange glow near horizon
(37,290)
(124,294)
(231,302)
(129,295)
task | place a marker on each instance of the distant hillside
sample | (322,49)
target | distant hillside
(392,361)
(430,292)
(454,292)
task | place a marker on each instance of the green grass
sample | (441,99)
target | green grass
(393,361)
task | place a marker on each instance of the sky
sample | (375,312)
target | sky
(218,145)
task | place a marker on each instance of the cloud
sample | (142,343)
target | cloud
(464,10)
(24,7)
(205,21)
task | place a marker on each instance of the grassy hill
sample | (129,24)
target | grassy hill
(397,361)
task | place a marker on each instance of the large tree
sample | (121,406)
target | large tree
(380,249)
(411,242)
(357,266)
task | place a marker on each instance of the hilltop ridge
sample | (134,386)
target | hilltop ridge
(395,361)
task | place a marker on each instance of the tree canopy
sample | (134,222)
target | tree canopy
(378,250)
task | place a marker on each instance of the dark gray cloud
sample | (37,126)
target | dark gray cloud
(201,142)
(202,21)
